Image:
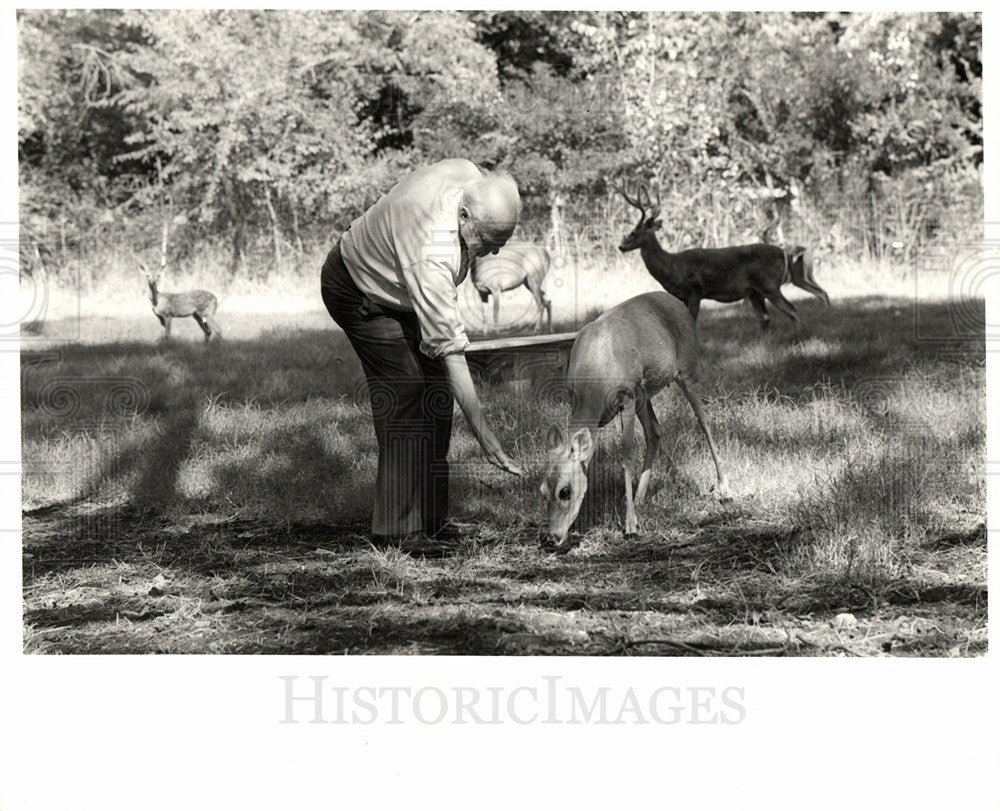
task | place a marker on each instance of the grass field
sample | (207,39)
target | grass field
(215,499)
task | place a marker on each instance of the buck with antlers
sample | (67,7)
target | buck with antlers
(753,272)
(618,362)
(198,304)
(513,266)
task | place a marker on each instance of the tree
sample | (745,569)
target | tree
(247,111)
(69,136)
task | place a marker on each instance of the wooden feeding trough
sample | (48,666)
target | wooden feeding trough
(520,357)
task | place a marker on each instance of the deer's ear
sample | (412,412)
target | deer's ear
(582,445)
(555,438)
(655,224)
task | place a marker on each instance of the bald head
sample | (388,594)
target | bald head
(494,204)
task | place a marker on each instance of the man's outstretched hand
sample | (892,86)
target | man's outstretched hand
(467,399)
(496,456)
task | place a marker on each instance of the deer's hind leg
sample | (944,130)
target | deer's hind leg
(208,316)
(628,463)
(810,286)
(495,292)
(800,270)
(807,278)
(651,428)
(722,486)
(204,326)
(484,297)
(781,303)
(757,302)
(693,305)
(815,289)
(534,284)
(207,324)
(214,325)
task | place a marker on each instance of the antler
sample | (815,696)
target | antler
(654,210)
(142,265)
(145,267)
(635,202)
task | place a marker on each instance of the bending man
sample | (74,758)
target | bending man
(391,283)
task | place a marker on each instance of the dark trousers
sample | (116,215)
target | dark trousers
(411,401)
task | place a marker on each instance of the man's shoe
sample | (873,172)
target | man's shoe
(420,543)
(456,531)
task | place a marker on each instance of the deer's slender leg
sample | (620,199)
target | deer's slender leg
(534,284)
(214,325)
(203,323)
(482,308)
(540,307)
(166,328)
(722,488)
(651,428)
(812,287)
(800,271)
(782,304)
(628,454)
(536,294)
(694,304)
(817,291)
(757,302)
(495,292)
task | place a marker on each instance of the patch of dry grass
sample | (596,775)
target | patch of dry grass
(191,498)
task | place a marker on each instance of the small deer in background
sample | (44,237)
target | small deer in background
(198,304)
(513,266)
(753,272)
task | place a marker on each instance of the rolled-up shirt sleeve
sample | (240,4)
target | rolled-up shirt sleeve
(431,285)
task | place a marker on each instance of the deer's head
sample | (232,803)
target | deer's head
(565,482)
(151,278)
(649,218)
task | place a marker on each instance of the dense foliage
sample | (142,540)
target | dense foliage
(262,129)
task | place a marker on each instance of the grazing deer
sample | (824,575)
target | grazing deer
(199,304)
(618,362)
(513,266)
(753,272)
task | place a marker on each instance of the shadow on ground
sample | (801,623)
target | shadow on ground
(133,560)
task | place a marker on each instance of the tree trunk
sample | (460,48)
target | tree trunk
(275,229)
(165,237)
(295,229)
(236,224)
(556,203)
(237,254)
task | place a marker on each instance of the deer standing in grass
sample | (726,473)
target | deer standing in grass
(199,304)
(754,272)
(513,266)
(618,363)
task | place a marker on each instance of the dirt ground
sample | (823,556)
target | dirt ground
(239,587)
(222,505)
